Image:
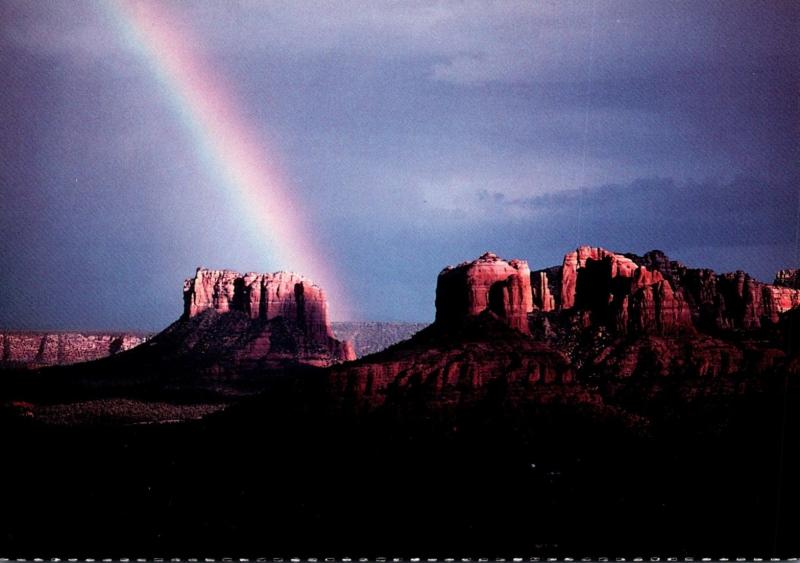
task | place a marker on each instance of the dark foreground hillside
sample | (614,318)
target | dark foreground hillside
(282,475)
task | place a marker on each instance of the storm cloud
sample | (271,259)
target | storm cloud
(415,134)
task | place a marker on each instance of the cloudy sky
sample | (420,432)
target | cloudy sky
(413,134)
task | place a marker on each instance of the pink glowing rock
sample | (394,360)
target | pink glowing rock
(486,284)
(263,298)
(654,295)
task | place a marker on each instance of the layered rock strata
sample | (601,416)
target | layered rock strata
(480,340)
(39,349)
(262,309)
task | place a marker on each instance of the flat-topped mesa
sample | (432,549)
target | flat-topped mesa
(260,296)
(486,284)
(264,298)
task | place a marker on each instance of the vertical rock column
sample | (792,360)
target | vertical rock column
(488,283)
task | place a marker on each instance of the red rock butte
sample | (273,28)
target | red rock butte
(264,298)
(488,284)
(599,314)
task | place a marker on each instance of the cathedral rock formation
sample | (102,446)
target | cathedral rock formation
(480,339)
(486,284)
(600,315)
(614,291)
(655,295)
(280,316)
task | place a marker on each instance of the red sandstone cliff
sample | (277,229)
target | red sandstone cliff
(544,298)
(486,284)
(255,318)
(262,297)
(652,294)
(601,315)
(481,338)
(625,314)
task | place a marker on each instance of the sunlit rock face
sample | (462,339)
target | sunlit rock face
(480,341)
(289,299)
(486,284)
(652,294)
(551,335)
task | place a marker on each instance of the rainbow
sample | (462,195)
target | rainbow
(238,154)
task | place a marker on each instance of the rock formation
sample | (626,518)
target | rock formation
(593,259)
(788,278)
(486,284)
(652,306)
(480,339)
(39,349)
(262,297)
(653,294)
(623,315)
(600,315)
(544,298)
(251,318)
(613,291)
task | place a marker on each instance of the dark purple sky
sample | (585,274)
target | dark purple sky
(416,134)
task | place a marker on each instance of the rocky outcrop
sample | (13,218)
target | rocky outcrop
(254,318)
(544,298)
(597,261)
(652,307)
(480,340)
(652,294)
(486,284)
(788,278)
(621,315)
(39,349)
(601,315)
(261,297)
(611,290)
